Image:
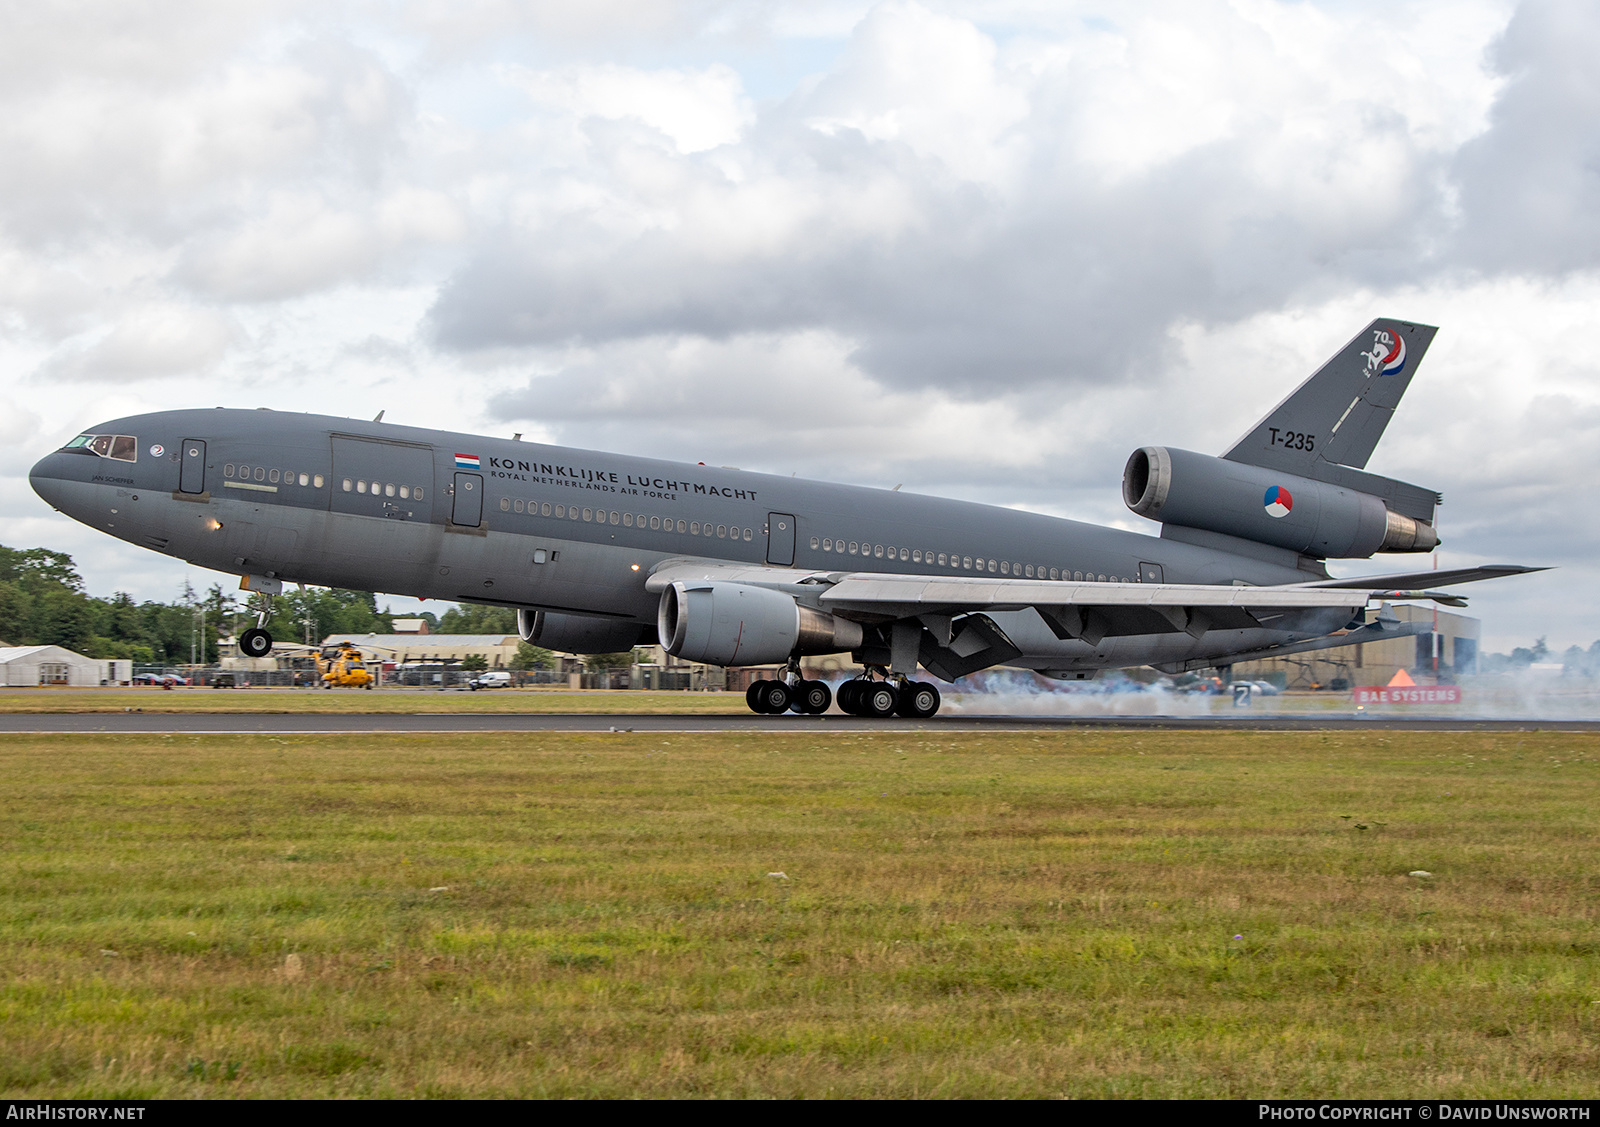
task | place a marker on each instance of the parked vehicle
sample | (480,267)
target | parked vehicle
(493,679)
(167,679)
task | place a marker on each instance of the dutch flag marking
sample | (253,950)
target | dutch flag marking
(467,462)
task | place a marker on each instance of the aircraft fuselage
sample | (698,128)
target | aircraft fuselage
(443,515)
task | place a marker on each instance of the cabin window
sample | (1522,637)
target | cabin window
(1027,569)
(1005,568)
(544,509)
(814,543)
(125,448)
(944,559)
(517,505)
(1054,574)
(347,485)
(627,519)
(827,544)
(916,555)
(388,489)
(749,534)
(877,551)
(317,481)
(588,514)
(655,523)
(615,517)
(305,479)
(261,473)
(416,494)
(966,562)
(361,487)
(288,477)
(505,504)
(405,493)
(227,470)
(722,531)
(1102,579)
(561,511)
(694,528)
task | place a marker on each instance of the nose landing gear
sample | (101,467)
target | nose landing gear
(256,641)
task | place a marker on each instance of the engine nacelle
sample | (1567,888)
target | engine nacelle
(734,624)
(1198,491)
(576,634)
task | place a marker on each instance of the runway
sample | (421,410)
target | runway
(137,723)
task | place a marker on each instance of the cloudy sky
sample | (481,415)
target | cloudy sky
(983,249)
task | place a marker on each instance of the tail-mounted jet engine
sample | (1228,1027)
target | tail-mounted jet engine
(734,624)
(576,634)
(1198,491)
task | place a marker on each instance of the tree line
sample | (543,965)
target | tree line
(43,603)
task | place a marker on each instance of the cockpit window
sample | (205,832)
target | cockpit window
(122,447)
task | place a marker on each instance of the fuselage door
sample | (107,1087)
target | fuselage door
(467,510)
(192,467)
(780,539)
(1150,573)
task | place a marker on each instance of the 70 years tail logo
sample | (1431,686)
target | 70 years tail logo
(1388,355)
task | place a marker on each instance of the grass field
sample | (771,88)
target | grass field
(1061,914)
(380,701)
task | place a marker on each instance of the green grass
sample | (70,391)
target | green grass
(1081,914)
(377,701)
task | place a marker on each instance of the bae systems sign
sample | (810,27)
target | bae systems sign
(1401,689)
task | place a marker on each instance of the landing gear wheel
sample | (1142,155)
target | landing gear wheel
(255,642)
(878,699)
(918,701)
(772,697)
(847,696)
(750,695)
(811,698)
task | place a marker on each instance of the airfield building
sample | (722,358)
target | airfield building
(1449,649)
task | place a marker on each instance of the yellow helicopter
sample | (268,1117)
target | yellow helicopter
(342,665)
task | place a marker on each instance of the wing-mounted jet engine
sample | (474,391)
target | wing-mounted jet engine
(578,634)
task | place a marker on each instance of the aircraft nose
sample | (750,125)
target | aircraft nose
(47,480)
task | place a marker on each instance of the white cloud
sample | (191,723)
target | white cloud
(145,342)
(696,110)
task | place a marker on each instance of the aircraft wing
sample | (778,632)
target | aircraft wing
(1410,580)
(1088,611)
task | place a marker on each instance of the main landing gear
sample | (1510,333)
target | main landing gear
(791,694)
(863,696)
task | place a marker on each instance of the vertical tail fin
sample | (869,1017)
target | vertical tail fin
(1339,414)
(1328,426)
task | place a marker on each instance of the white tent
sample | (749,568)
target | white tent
(48,665)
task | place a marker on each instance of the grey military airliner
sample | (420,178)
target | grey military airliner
(601,552)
